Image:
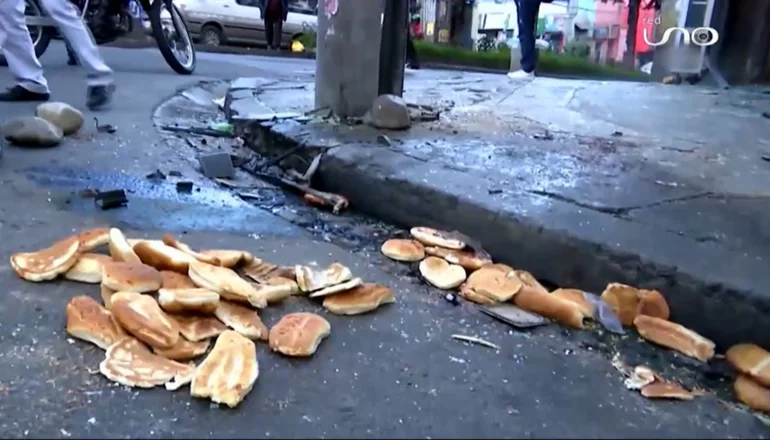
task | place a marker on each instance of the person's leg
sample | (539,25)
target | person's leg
(278,32)
(73,30)
(269,30)
(411,53)
(20,55)
(72,58)
(527,13)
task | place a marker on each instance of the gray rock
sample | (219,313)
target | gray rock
(32,132)
(390,112)
(66,117)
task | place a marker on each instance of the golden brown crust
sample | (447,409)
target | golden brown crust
(468,260)
(47,264)
(91,239)
(227,258)
(549,306)
(442,274)
(89,321)
(752,393)
(473,296)
(106,294)
(157,254)
(169,240)
(493,284)
(141,316)
(183,350)
(128,362)
(629,302)
(197,300)
(434,237)
(175,280)
(119,248)
(215,377)
(88,268)
(361,299)
(242,319)
(529,280)
(299,334)
(578,297)
(401,249)
(751,360)
(197,328)
(130,277)
(674,336)
(228,284)
(310,279)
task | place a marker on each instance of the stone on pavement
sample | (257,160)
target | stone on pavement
(390,112)
(32,131)
(66,117)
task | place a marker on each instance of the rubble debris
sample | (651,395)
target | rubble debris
(32,132)
(389,112)
(201,131)
(475,340)
(217,165)
(384,140)
(174,173)
(617,133)
(106,200)
(451,298)
(514,316)
(156,175)
(546,136)
(104,128)
(184,187)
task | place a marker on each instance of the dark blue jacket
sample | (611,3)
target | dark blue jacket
(262,4)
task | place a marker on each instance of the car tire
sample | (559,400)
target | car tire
(211,35)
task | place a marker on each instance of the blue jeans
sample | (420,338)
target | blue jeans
(527,11)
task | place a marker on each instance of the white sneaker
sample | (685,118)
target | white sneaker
(520,74)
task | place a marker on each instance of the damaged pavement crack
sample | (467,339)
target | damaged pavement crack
(617,211)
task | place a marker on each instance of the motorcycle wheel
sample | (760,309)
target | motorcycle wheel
(168,39)
(41,35)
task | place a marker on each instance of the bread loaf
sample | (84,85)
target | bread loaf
(674,336)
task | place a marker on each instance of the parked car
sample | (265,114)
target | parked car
(218,22)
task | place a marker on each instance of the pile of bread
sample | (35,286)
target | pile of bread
(446,262)
(164,303)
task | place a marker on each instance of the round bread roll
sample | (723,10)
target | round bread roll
(299,334)
(434,237)
(751,393)
(131,277)
(493,284)
(401,249)
(442,274)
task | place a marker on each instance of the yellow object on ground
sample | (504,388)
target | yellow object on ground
(297,46)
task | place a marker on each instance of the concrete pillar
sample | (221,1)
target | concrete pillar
(347,55)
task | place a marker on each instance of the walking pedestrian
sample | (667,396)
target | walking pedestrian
(72,59)
(17,46)
(527,11)
(274,13)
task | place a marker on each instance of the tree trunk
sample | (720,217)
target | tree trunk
(629,58)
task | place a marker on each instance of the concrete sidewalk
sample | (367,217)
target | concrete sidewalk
(581,182)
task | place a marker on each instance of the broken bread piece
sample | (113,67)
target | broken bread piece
(228,373)
(751,360)
(402,249)
(468,260)
(674,336)
(442,274)
(337,288)
(299,334)
(183,350)
(527,278)
(434,237)
(175,280)
(752,393)
(227,283)
(197,300)
(549,306)
(228,258)
(119,248)
(169,240)
(130,363)
(157,254)
(89,321)
(241,319)
(106,294)
(197,328)
(310,279)
(629,302)
(88,268)
(47,264)
(361,299)
(274,291)
(141,316)
(578,297)
(262,271)
(91,239)
(493,284)
(130,277)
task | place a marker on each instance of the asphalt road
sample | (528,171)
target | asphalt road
(396,373)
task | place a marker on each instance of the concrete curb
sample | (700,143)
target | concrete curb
(715,292)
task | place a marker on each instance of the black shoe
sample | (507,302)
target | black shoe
(72,62)
(20,94)
(98,97)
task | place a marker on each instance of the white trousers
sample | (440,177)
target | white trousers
(20,54)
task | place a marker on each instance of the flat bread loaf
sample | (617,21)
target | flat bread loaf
(89,321)
(175,280)
(183,350)
(130,277)
(49,263)
(197,328)
(310,279)
(442,274)
(129,362)
(228,284)
(299,334)
(434,237)
(157,254)
(141,316)
(197,300)
(241,319)
(88,268)
(361,299)
(119,248)
(401,249)
(229,371)
(91,239)
(674,336)
(751,360)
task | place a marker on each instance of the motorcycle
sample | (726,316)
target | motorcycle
(108,20)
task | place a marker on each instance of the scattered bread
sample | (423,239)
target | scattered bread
(47,264)
(184,350)
(157,254)
(751,360)
(88,268)
(527,278)
(674,336)
(173,242)
(91,239)
(468,260)
(130,363)
(275,290)
(289,284)
(130,277)
(434,237)
(197,300)
(337,288)
(119,248)
(242,319)
(493,284)
(578,297)
(406,250)
(666,390)
(310,279)
(141,316)
(262,271)
(197,328)
(752,393)
(228,258)
(549,306)
(629,302)
(228,373)
(106,294)
(441,274)
(227,283)
(299,334)
(89,321)
(175,280)
(471,295)
(361,299)
(506,269)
